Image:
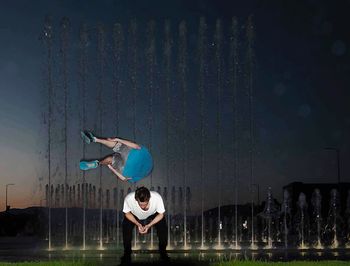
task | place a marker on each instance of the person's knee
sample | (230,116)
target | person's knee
(107,160)
(162,222)
(161,225)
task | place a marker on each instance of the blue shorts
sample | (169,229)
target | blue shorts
(138,165)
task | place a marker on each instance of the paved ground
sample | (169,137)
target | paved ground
(34,250)
(110,257)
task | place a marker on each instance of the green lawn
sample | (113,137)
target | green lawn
(292,263)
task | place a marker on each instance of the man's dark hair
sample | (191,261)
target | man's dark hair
(142,194)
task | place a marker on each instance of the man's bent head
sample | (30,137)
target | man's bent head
(142,196)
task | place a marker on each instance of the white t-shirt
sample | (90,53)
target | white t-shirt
(155,205)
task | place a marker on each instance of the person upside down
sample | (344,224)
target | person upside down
(129,162)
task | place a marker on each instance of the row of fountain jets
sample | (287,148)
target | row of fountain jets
(276,225)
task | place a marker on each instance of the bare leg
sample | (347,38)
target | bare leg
(106,160)
(106,142)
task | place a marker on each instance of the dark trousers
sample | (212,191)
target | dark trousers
(161,227)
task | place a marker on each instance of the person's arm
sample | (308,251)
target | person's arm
(156,219)
(127,143)
(132,219)
(119,175)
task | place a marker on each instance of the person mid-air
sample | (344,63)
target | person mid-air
(129,162)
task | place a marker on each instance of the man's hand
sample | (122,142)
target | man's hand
(141,228)
(145,229)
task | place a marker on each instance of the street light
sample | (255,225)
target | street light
(6,195)
(338,160)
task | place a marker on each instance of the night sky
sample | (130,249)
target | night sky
(301,93)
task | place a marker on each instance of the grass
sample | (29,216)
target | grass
(290,263)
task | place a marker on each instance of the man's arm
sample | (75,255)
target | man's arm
(156,219)
(132,219)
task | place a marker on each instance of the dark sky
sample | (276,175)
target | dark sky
(301,89)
